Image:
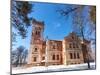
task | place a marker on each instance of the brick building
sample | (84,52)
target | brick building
(55,52)
(72,51)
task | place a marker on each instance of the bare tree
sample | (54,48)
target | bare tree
(19,56)
(80,26)
(24,56)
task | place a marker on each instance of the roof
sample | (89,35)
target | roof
(68,38)
(34,21)
(86,41)
(56,40)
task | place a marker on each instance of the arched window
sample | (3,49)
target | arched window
(53,46)
(78,55)
(57,57)
(73,45)
(34,59)
(53,57)
(71,56)
(43,58)
(37,32)
(35,49)
(74,55)
(70,45)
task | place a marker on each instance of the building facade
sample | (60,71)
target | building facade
(54,52)
(72,51)
(37,44)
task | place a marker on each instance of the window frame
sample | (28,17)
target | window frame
(78,56)
(71,55)
(34,59)
(53,57)
(57,56)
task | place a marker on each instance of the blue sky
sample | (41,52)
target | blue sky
(56,26)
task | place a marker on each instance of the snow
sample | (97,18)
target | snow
(54,68)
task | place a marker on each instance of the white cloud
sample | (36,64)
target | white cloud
(57,25)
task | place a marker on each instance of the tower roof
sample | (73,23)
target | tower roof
(35,22)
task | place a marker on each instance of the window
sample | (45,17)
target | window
(70,45)
(35,59)
(53,46)
(32,52)
(57,57)
(78,55)
(35,49)
(53,57)
(73,45)
(37,33)
(77,46)
(74,55)
(43,58)
(71,63)
(72,37)
(71,56)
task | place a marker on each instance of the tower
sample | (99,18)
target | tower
(36,45)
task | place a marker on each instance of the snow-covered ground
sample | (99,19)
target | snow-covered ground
(56,68)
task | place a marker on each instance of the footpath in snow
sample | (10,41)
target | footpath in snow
(54,68)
